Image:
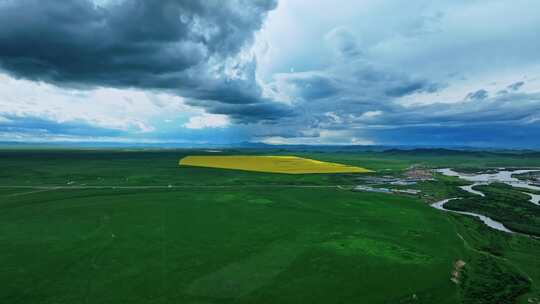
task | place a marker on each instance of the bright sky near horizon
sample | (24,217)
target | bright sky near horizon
(282,72)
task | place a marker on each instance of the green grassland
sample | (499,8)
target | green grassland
(223,236)
(504,204)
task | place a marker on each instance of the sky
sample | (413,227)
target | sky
(342,72)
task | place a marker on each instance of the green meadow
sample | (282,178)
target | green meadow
(134,227)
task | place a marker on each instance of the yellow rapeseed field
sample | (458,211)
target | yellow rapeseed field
(274,164)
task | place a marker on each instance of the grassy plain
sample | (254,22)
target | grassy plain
(504,204)
(134,227)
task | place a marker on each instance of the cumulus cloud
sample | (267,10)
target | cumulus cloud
(355,75)
(207,121)
(477,95)
(358,100)
(332,104)
(343,42)
(125,110)
(195,49)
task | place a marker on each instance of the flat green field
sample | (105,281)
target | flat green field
(133,227)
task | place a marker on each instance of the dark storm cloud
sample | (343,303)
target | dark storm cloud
(493,121)
(413,87)
(483,135)
(354,86)
(500,109)
(266,110)
(358,99)
(477,95)
(127,43)
(315,87)
(326,98)
(188,47)
(349,95)
(489,134)
(375,79)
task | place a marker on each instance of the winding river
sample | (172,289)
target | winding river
(486,220)
(535,198)
(502,176)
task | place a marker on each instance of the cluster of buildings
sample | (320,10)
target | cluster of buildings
(419,174)
(411,177)
(386,190)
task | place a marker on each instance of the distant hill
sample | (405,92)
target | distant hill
(464,152)
(389,150)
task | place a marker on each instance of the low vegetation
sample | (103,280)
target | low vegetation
(272,164)
(504,204)
(234,236)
